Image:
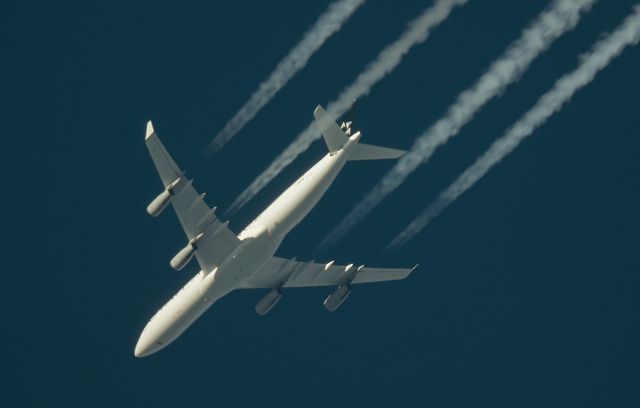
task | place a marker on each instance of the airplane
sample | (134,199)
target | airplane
(228,261)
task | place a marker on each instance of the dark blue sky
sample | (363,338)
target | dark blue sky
(527,290)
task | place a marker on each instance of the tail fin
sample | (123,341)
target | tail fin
(335,138)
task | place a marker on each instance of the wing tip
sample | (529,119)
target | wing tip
(150,131)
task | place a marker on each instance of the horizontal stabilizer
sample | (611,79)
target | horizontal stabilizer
(370,152)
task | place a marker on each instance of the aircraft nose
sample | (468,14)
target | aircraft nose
(146,345)
(142,348)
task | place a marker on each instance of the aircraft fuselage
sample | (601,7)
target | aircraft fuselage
(259,242)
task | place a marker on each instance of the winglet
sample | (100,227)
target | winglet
(150,130)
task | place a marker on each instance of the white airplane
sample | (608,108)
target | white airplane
(228,262)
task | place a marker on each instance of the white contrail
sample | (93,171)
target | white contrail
(558,18)
(601,54)
(389,58)
(327,24)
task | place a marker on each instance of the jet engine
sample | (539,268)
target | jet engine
(267,303)
(162,200)
(159,203)
(182,258)
(334,300)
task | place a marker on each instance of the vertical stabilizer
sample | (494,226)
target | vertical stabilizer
(334,137)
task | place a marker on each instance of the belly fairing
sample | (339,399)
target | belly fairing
(247,259)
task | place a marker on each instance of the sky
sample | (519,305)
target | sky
(526,294)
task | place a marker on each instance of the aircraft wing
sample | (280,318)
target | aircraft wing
(195,216)
(281,272)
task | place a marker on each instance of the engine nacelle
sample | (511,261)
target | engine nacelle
(267,303)
(182,258)
(162,200)
(159,203)
(334,300)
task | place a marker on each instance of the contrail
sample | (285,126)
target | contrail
(387,60)
(560,17)
(327,24)
(628,33)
